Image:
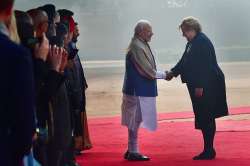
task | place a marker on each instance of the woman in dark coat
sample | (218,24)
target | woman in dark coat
(205,81)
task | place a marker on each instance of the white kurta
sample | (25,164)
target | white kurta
(136,109)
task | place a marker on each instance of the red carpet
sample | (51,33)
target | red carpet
(174,143)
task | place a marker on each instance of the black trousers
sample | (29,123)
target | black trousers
(204,118)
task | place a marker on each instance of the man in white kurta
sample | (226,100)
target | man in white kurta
(140,89)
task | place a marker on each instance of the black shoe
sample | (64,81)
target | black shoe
(137,157)
(72,163)
(77,152)
(125,156)
(206,155)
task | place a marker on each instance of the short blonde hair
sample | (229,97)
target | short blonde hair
(190,23)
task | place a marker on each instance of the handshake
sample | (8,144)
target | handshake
(166,75)
(169,75)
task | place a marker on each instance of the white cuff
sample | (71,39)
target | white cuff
(160,75)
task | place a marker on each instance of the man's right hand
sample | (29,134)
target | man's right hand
(55,57)
(64,60)
(41,50)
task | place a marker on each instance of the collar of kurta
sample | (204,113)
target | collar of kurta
(3,29)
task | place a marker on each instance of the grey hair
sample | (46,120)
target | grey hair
(191,23)
(140,25)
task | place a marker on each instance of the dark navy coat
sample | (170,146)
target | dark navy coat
(17,122)
(198,68)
